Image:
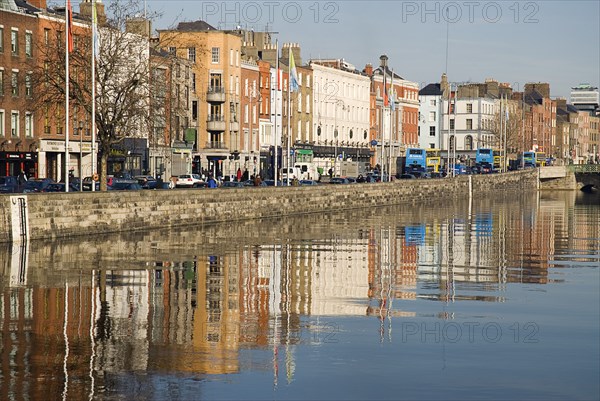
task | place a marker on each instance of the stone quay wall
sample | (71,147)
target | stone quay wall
(56,215)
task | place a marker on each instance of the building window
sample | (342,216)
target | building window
(46,119)
(308,81)
(451,143)
(451,109)
(432,102)
(46,36)
(14,83)
(432,116)
(469,107)
(192,54)
(172,50)
(28,89)
(215,55)
(28,125)
(1,82)
(469,123)
(1,39)
(432,131)
(468,142)
(14,41)
(28,44)
(1,123)
(14,123)
(451,123)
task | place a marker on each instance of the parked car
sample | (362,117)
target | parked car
(37,185)
(87,184)
(339,180)
(188,181)
(124,186)
(351,180)
(271,183)
(309,182)
(8,184)
(407,176)
(60,187)
(233,184)
(146,181)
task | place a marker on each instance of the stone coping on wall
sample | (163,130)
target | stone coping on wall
(55,215)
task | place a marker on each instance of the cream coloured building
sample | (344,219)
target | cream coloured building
(216,57)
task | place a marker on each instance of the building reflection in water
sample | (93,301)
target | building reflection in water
(76,316)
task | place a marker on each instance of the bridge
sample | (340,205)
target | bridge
(572,176)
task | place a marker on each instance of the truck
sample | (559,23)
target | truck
(307,171)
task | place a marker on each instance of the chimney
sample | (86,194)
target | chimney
(444,86)
(561,103)
(85,10)
(543,88)
(41,4)
(139,26)
(368,70)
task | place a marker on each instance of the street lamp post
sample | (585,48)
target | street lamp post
(335,134)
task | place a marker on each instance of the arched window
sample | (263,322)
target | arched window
(468,142)
(451,146)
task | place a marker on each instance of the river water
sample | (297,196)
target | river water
(490,299)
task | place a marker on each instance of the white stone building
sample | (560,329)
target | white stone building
(340,105)
(472,126)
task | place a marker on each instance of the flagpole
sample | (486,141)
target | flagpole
(67,49)
(454,134)
(94,49)
(276,93)
(289,130)
(392,110)
(506,134)
(384,70)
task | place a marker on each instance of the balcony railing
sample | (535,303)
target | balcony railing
(215,94)
(215,122)
(215,145)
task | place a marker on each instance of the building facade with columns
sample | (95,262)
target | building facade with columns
(341,113)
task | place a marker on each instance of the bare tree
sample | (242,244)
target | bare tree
(511,127)
(122,78)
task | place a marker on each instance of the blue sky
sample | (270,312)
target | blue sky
(511,41)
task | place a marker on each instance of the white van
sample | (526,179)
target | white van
(307,171)
(294,172)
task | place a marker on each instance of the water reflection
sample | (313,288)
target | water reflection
(78,317)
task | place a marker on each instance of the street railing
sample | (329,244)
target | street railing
(584,168)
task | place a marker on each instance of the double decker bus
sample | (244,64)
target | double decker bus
(540,159)
(484,160)
(433,159)
(533,159)
(414,160)
(498,160)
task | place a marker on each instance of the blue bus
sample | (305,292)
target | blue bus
(416,160)
(484,160)
(529,160)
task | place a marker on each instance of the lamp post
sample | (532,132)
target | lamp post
(335,134)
